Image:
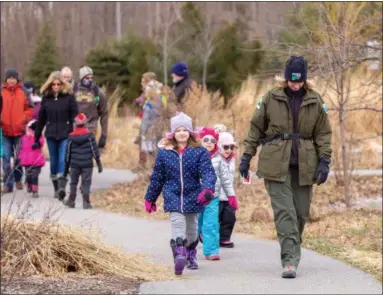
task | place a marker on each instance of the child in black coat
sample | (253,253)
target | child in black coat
(81,150)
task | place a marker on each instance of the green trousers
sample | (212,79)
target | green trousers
(291,207)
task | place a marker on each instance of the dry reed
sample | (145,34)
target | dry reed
(48,249)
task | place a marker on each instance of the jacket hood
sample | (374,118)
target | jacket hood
(80,135)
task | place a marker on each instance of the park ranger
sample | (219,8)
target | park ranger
(292,125)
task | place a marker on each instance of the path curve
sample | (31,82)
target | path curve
(252,267)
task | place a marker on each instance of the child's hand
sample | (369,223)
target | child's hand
(233,202)
(36,145)
(150,207)
(205,197)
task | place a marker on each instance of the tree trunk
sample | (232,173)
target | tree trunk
(204,71)
(346,176)
(165,56)
(118,20)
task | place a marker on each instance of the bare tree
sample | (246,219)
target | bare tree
(168,15)
(338,49)
(118,20)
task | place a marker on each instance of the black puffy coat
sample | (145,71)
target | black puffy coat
(57,115)
(81,149)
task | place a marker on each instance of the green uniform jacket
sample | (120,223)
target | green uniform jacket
(273,116)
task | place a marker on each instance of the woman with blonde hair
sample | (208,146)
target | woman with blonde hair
(57,113)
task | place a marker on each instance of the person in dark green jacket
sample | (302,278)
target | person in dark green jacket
(291,124)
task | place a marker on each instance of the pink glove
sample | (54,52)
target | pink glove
(233,202)
(150,207)
(205,197)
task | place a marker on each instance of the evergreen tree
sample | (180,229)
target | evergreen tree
(45,59)
(122,63)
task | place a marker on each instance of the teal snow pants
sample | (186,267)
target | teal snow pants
(208,226)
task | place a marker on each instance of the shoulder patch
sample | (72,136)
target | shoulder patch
(259,103)
(325,108)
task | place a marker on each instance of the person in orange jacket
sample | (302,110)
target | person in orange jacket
(17,111)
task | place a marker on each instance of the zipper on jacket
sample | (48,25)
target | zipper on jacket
(182,186)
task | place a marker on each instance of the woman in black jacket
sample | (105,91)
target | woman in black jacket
(57,113)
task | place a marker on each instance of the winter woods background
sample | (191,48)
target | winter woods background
(223,42)
(152,34)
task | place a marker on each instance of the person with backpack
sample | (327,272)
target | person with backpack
(92,102)
(150,133)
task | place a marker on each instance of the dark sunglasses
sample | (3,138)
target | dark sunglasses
(207,140)
(226,147)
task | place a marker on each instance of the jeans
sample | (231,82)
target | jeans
(57,151)
(11,145)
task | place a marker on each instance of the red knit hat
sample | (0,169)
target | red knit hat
(208,131)
(80,119)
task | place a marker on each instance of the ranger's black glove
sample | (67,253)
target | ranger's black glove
(102,141)
(322,171)
(244,166)
(99,165)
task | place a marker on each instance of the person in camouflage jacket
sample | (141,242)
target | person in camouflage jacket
(292,125)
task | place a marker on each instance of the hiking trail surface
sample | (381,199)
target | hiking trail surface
(252,267)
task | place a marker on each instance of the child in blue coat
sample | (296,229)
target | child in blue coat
(184,173)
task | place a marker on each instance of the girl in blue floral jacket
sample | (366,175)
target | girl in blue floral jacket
(184,173)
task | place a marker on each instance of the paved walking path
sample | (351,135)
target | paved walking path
(252,267)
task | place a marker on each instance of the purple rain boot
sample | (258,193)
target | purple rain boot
(191,257)
(179,254)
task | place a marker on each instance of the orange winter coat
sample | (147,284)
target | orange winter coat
(16,110)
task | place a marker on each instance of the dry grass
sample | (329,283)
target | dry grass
(47,249)
(364,128)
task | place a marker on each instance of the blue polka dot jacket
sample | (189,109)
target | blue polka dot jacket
(181,178)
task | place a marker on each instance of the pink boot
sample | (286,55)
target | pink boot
(35,189)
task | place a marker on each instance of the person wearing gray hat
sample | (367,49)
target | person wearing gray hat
(92,102)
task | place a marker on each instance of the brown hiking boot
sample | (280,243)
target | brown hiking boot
(19,185)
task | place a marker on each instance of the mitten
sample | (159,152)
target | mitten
(205,197)
(150,207)
(233,202)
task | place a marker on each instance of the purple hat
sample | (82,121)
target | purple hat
(181,120)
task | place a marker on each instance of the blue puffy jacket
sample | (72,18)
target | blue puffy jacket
(181,178)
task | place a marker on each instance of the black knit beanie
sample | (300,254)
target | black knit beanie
(296,69)
(11,73)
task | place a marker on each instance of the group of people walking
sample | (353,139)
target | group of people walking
(194,170)
(69,113)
